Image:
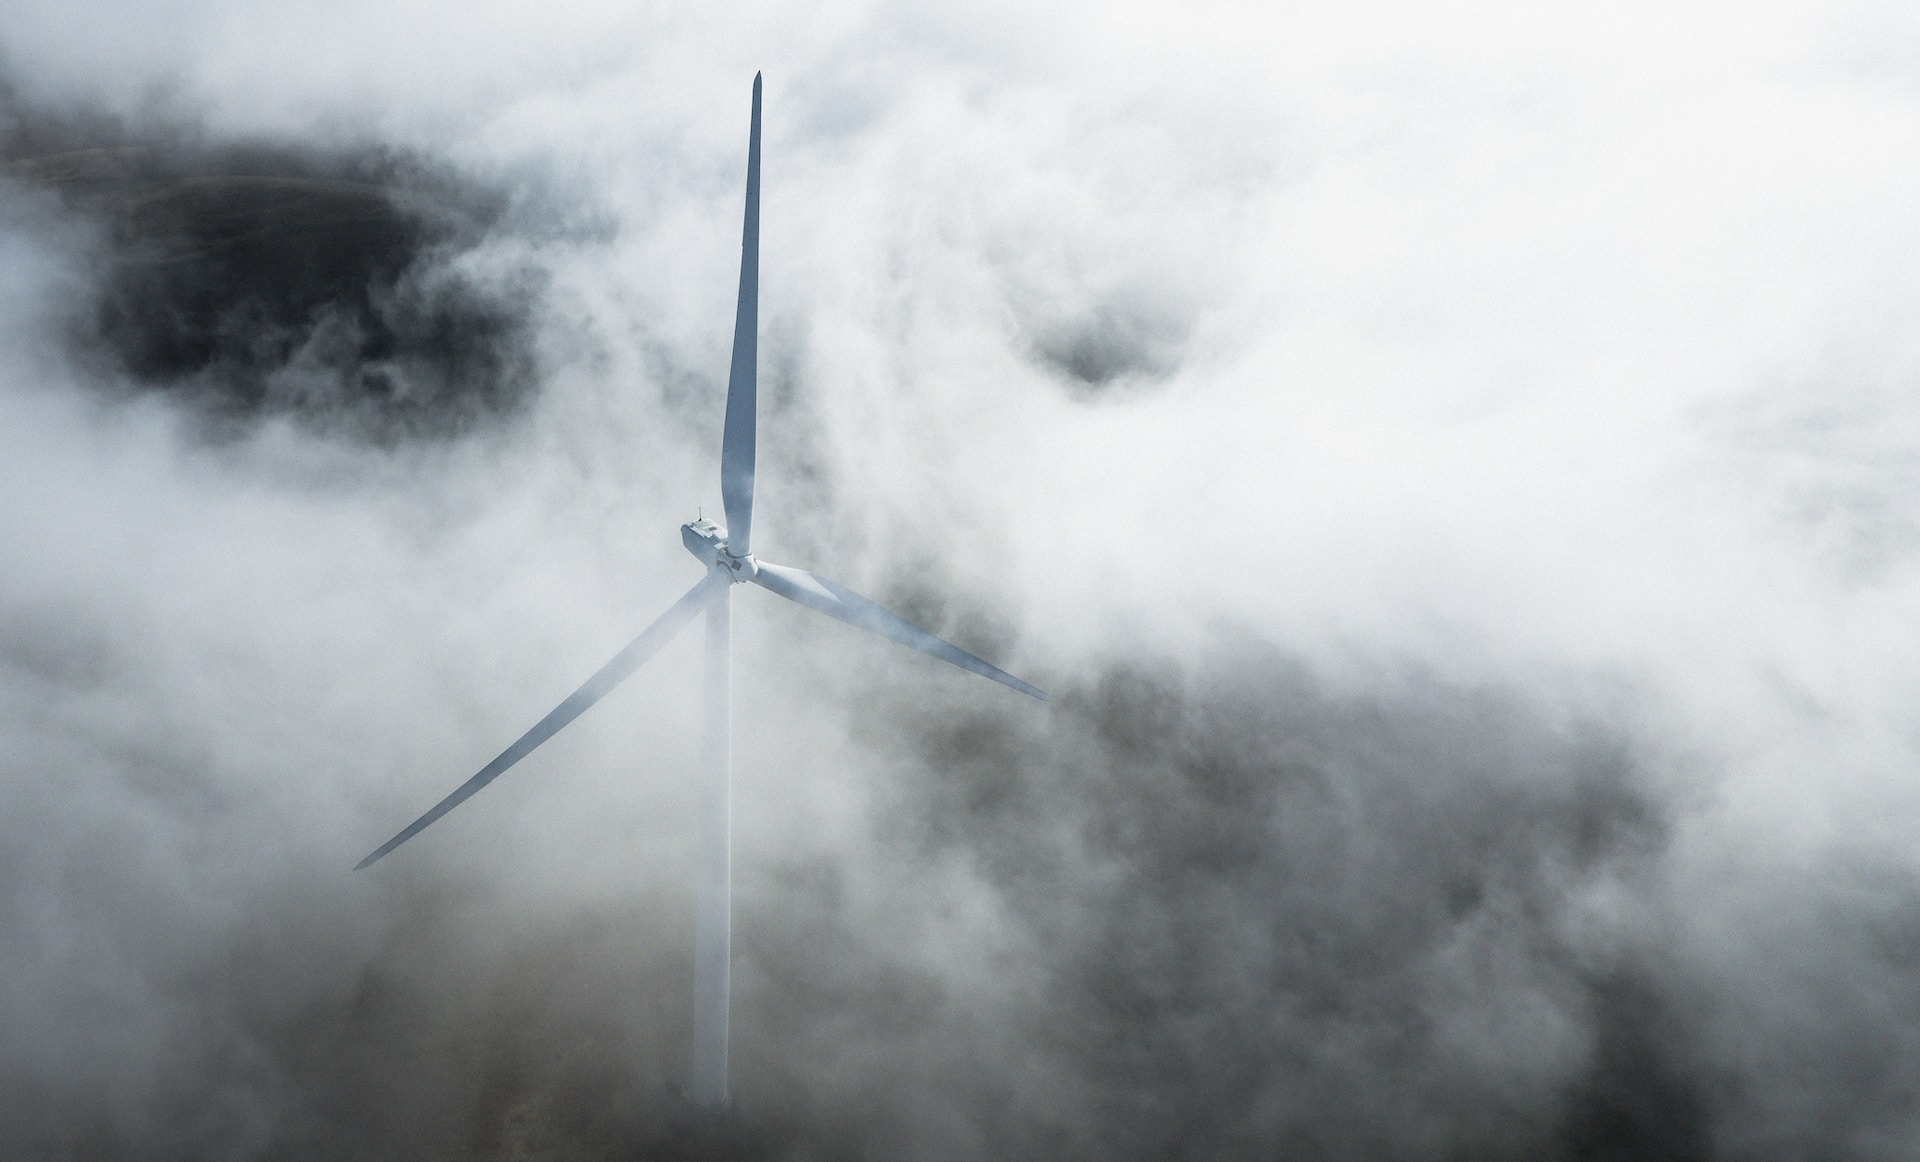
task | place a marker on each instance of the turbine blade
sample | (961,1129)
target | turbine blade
(610,675)
(737,441)
(836,600)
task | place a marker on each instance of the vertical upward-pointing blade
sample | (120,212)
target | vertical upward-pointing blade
(736,446)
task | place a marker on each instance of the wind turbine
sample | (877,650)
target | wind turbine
(726,552)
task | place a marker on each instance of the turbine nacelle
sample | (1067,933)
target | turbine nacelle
(707,541)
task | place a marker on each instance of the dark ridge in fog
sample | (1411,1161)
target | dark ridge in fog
(271,277)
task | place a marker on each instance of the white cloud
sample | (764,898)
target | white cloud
(1514,348)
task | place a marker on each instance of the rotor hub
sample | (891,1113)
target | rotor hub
(707,541)
(743,568)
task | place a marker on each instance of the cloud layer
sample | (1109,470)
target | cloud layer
(1451,467)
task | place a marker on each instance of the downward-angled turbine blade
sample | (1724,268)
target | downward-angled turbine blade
(836,600)
(624,663)
(736,443)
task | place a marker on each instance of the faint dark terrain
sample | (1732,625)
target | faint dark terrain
(274,277)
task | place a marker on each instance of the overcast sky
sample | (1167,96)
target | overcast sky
(1455,466)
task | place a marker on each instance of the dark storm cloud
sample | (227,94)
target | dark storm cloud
(273,277)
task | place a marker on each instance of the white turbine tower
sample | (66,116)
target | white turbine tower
(726,553)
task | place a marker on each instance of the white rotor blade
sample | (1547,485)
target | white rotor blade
(737,439)
(610,675)
(836,600)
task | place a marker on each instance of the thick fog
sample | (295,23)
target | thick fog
(1455,468)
